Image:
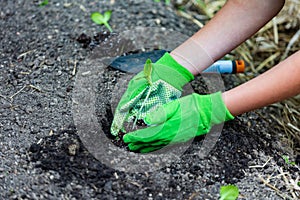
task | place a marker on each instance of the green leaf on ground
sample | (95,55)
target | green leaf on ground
(229,192)
(102,19)
(287,160)
(166,1)
(44,3)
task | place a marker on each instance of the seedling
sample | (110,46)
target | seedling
(102,19)
(229,192)
(147,72)
(287,160)
(44,3)
(166,1)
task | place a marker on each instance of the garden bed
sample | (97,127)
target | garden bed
(43,155)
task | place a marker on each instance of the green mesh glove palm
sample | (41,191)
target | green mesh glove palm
(179,121)
(167,77)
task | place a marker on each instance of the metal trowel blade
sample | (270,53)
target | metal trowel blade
(135,63)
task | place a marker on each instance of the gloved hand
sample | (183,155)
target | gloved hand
(179,121)
(167,76)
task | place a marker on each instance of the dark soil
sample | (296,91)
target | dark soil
(118,141)
(43,156)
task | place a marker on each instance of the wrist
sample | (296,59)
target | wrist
(184,63)
(172,72)
(220,112)
(192,56)
(230,103)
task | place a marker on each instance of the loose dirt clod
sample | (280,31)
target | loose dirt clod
(84,39)
(96,40)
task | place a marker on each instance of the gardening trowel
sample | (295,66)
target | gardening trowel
(134,63)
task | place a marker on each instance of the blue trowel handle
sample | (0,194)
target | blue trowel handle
(134,63)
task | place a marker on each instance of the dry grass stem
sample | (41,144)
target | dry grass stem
(261,166)
(266,182)
(190,17)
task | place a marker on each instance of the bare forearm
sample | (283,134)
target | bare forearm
(234,23)
(277,84)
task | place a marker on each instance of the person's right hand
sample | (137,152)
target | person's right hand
(179,121)
(168,77)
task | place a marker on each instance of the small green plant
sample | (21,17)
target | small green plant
(166,1)
(102,19)
(147,72)
(229,192)
(44,3)
(287,160)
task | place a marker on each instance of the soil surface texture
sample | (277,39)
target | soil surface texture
(48,57)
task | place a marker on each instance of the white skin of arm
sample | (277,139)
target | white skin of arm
(279,83)
(234,23)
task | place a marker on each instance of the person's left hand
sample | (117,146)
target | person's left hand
(167,77)
(179,121)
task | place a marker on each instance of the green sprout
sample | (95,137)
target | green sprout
(102,19)
(229,192)
(166,1)
(147,72)
(44,3)
(287,160)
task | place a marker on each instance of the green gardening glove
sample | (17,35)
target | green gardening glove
(167,77)
(179,121)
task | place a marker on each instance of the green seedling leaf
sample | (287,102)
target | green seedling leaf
(229,192)
(102,19)
(287,160)
(44,3)
(107,15)
(148,70)
(166,1)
